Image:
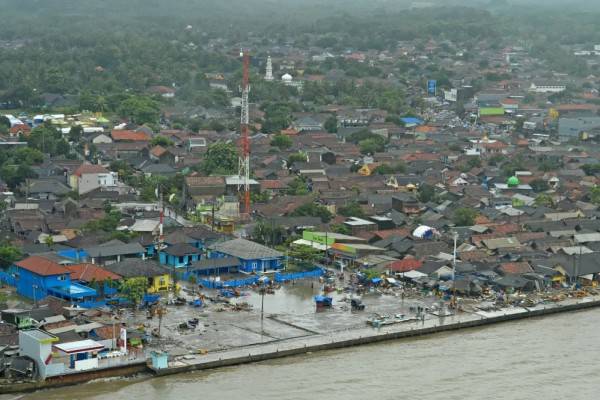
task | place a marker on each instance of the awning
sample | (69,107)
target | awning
(314,245)
(413,274)
(81,346)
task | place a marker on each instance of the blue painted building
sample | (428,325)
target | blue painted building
(179,255)
(37,277)
(254,257)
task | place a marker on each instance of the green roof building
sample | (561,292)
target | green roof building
(513,181)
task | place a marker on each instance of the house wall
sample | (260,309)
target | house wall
(159,283)
(26,280)
(88,182)
(178,262)
(254,265)
(39,352)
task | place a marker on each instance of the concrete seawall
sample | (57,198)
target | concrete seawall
(356,337)
(313,343)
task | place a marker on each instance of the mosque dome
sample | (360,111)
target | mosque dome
(513,181)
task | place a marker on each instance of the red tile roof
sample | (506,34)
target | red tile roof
(408,264)
(506,228)
(41,266)
(158,151)
(90,169)
(130,136)
(515,268)
(384,234)
(20,128)
(89,272)
(272,184)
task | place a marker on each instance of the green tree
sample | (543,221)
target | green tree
(163,141)
(281,141)
(331,124)
(267,233)
(49,240)
(134,289)
(426,193)
(4,124)
(312,210)
(591,169)
(595,195)
(28,156)
(296,157)
(474,162)
(544,200)
(539,185)
(384,169)
(48,140)
(352,209)
(75,133)
(305,256)
(340,228)
(464,216)
(9,254)
(298,187)
(220,159)
(372,146)
(140,109)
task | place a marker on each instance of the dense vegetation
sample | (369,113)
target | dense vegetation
(102,52)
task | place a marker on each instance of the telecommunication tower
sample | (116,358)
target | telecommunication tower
(244,162)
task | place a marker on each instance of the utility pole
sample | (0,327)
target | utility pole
(455,237)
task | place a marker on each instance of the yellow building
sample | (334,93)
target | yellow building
(158,276)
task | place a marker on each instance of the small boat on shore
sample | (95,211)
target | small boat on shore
(323,302)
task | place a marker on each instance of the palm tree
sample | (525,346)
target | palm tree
(49,240)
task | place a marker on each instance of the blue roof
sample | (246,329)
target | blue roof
(73,254)
(73,291)
(412,120)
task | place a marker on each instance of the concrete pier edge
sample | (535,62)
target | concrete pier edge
(278,352)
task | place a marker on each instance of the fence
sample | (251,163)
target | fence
(279,277)
(292,276)
(233,283)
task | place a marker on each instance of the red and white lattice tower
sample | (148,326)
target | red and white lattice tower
(244,163)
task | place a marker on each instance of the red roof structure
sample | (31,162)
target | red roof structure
(41,266)
(90,169)
(516,268)
(408,264)
(130,136)
(87,272)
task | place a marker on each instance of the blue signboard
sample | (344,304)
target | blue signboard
(431,86)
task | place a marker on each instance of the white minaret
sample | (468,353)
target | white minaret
(269,74)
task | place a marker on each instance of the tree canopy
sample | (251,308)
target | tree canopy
(220,159)
(313,210)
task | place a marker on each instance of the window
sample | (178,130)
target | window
(62,278)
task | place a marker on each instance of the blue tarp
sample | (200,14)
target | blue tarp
(412,121)
(375,281)
(150,298)
(222,284)
(74,254)
(282,277)
(324,300)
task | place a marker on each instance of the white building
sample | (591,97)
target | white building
(547,88)
(269,71)
(92,176)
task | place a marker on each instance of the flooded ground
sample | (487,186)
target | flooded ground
(288,313)
(543,358)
